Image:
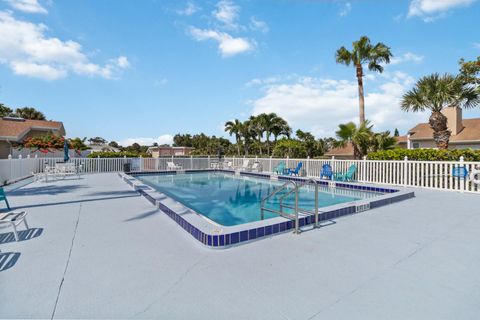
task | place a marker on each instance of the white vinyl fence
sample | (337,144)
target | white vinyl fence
(424,174)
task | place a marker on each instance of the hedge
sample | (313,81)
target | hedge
(426,154)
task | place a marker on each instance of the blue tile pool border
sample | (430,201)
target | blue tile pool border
(248,234)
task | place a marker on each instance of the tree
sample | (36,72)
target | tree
(257,126)
(308,141)
(269,122)
(280,127)
(182,140)
(78,144)
(235,128)
(359,137)
(436,92)
(97,141)
(247,134)
(114,144)
(5,111)
(29,113)
(382,141)
(396,133)
(470,71)
(289,148)
(363,52)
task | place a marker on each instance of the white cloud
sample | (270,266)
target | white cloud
(407,57)
(28,51)
(227,45)
(257,24)
(189,9)
(163,139)
(430,10)
(347,7)
(227,12)
(319,105)
(29,6)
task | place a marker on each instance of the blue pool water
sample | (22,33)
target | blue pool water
(232,200)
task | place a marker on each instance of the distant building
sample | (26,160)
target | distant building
(15,130)
(101,148)
(165,151)
(345,152)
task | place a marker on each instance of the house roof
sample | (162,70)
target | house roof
(470,131)
(347,150)
(401,139)
(14,129)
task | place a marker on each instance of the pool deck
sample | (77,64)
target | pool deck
(97,249)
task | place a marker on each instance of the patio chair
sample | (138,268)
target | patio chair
(460,172)
(173,166)
(257,167)
(326,172)
(247,165)
(3,197)
(280,169)
(14,218)
(346,176)
(296,171)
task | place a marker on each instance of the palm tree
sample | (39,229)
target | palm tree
(235,127)
(280,127)
(269,121)
(382,141)
(359,137)
(257,125)
(363,52)
(436,92)
(29,113)
(247,134)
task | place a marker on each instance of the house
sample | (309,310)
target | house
(345,152)
(14,130)
(465,133)
(94,147)
(165,151)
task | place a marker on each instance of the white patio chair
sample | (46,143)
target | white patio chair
(14,218)
(246,166)
(173,166)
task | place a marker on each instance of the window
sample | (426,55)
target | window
(415,145)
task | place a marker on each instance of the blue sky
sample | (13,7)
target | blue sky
(146,70)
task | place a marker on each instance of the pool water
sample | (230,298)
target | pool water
(232,200)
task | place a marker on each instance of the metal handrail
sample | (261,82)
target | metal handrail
(296,188)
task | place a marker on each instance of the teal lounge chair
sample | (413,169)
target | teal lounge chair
(3,197)
(346,176)
(280,169)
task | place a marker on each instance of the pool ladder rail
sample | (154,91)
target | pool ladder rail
(295,208)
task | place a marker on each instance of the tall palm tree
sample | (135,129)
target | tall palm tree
(257,125)
(363,52)
(234,128)
(269,120)
(29,113)
(436,92)
(247,134)
(359,137)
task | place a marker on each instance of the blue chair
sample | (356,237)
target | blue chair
(326,172)
(346,176)
(460,172)
(280,169)
(296,171)
(3,197)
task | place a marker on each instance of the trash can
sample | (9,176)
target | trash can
(126,167)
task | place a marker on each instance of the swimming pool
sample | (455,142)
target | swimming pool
(231,200)
(222,208)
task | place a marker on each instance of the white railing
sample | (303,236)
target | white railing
(424,174)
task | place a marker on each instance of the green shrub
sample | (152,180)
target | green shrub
(110,154)
(426,154)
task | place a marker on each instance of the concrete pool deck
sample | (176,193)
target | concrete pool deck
(97,249)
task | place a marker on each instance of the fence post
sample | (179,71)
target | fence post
(462,181)
(270,165)
(364,169)
(405,171)
(208,167)
(307,166)
(191,162)
(288,166)
(334,165)
(98,164)
(141,163)
(11,167)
